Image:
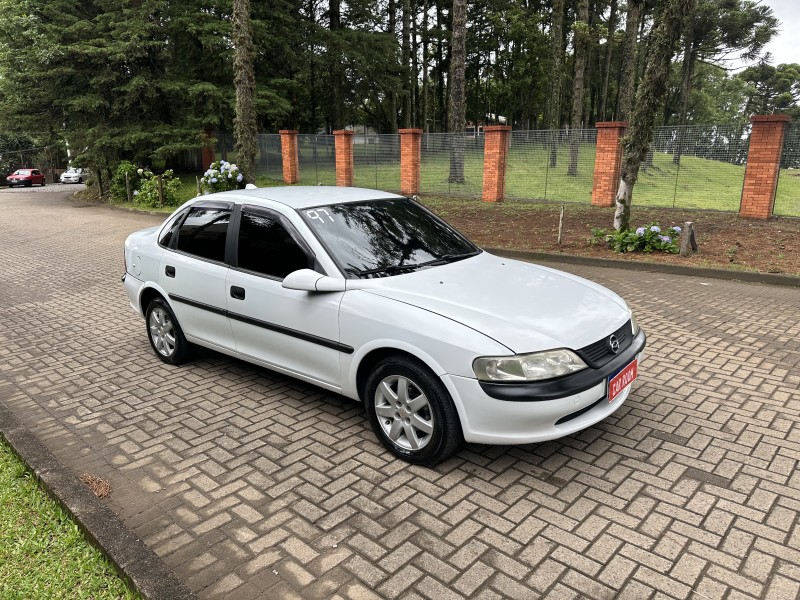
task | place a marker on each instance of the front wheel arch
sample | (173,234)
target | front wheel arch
(430,406)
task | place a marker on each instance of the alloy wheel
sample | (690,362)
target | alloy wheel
(404,413)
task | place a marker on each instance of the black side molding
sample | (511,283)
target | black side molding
(301,335)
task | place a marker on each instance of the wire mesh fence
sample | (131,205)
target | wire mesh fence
(787,197)
(376,162)
(551,165)
(269,160)
(441,169)
(316,157)
(695,166)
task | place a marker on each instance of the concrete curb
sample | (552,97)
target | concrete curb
(134,561)
(590,261)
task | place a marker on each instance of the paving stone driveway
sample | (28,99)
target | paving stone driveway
(251,485)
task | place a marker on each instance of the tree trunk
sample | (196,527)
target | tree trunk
(581,42)
(391,95)
(554,98)
(456,100)
(244,81)
(425,58)
(607,69)
(686,90)
(627,84)
(337,74)
(649,97)
(414,67)
(405,113)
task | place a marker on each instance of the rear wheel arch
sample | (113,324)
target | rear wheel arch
(147,296)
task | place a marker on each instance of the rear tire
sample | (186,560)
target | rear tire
(165,334)
(411,412)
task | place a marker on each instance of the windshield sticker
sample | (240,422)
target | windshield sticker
(315,214)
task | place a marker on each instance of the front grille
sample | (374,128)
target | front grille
(599,353)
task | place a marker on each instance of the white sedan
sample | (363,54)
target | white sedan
(370,295)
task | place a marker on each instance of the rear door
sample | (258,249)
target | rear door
(193,273)
(292,330)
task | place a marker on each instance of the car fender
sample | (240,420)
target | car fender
(449,346)
(151,285)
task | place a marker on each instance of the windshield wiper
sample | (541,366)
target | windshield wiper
(390,269)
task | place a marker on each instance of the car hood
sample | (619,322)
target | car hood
(525,307)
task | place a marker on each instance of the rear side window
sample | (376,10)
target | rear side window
(266,247)
(170,230)
(204,232)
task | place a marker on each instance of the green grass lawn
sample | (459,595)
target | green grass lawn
(43,554)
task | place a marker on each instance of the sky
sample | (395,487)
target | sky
(785,47)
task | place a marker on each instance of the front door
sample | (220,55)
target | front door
(292,330)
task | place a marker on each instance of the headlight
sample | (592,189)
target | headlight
(634,325)
(527,367)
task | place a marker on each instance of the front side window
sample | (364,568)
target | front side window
(204,232)
(385,237)
(267,248)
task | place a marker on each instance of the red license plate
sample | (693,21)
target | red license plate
(622,380)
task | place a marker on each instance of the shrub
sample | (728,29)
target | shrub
(649,238)
(147,193)
(221,176)
(118,190)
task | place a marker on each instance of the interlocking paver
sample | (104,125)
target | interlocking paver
(252,485)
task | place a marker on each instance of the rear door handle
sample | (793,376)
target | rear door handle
(169,271)
(237,293)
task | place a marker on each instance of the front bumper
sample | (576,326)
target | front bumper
(520,417)
(568,385)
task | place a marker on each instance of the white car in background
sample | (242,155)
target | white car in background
(370,295)
(73,175)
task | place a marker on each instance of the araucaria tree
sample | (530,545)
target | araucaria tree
(649,100)
(244,82)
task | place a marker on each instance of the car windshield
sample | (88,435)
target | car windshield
(378,238)
(22,172)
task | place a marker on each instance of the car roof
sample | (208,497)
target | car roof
(302,196)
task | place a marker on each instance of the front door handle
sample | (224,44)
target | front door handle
(237,293)
(169,271)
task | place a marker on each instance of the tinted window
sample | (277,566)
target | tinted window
(204,231)
(386,237)
(265,246)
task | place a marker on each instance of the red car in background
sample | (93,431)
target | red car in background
(26,177)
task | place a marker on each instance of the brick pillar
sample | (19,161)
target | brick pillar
(607,162)
(495,152)
(410,152)
(763,165)
(207,152)
(343,143)
(291,164)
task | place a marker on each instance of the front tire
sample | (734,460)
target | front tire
(165,334)
(411,412)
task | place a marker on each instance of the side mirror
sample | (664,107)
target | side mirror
(307,280)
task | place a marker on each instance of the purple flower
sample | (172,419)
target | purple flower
(655,228)
(677,229)
(239,177)
(640,231)
(213,180)
(665,238)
